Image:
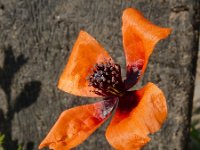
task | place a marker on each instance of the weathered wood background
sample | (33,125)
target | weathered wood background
(36,37)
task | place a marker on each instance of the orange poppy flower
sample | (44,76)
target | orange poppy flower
(92,72)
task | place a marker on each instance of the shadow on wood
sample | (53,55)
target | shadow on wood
(27,97)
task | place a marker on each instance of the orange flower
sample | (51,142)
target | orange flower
(92,72)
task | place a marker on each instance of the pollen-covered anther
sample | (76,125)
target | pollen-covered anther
(106,79)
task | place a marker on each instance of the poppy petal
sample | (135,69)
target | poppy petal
(139,113)
(85,54)
(76,124)
(139,39)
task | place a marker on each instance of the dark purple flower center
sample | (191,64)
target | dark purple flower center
(106,79)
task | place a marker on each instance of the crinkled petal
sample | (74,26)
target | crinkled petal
(76,124)
(85,54)
(138,114)
(139,39)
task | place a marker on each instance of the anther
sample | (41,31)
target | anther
(101,85)
(113,72)
(103,78)
(113,79)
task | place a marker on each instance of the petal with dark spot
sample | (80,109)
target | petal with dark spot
(139,113)
(76,124)
(85,54)
(139,39)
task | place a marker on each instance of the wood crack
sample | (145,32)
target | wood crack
(180,8)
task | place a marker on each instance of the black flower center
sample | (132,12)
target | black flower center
(106,79)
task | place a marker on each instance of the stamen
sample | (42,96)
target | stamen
(106,79)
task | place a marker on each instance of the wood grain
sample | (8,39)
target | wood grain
(41,34)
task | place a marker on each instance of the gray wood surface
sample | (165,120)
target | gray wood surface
(36,37)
